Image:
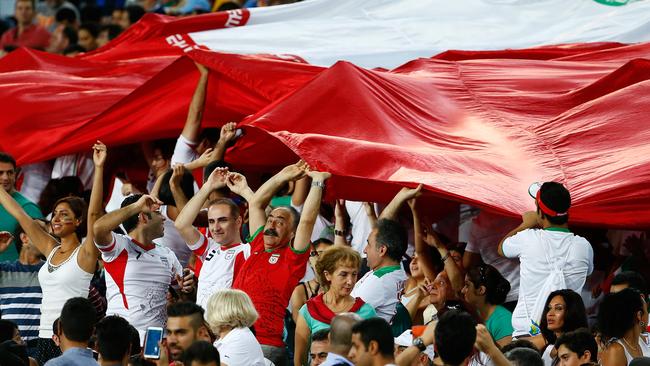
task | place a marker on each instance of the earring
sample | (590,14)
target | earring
(642,324)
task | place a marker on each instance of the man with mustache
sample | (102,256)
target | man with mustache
(279,254)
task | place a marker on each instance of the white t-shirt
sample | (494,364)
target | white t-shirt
(240,348)
(532,247)
(172,239)
(184,151)
(486,231)
(218,266)
(80,165)
(382,289)
(35,178)
(361,226)
(137,281)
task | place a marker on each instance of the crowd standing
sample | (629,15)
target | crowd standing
(243,268)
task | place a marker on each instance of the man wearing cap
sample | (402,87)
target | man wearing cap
(405,340)
(546,249)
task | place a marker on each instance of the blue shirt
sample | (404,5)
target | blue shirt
(74,357)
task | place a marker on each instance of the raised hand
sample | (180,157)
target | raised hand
(177,175)
(237,183)
(228,132)
(318,176)
(529,219)
(339,210)
(410,193)
(148,203)
(483,339)
(99,154)
(432,239)
(206,157)
(217,179)
(5,240)
(294,171)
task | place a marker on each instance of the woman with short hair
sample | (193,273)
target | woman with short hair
(230,314)
(337,270)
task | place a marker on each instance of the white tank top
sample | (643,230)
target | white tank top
(644,344)
(60,283)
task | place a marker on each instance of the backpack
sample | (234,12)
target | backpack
(554,281)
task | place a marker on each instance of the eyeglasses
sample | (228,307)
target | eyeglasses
(315,253)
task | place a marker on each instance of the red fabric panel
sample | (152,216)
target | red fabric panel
(478,130)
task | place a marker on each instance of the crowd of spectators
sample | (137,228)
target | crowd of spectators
(257,268)
(72,27)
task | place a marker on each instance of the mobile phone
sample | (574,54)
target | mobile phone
(151,339)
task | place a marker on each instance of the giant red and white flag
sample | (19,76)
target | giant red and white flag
(472,126)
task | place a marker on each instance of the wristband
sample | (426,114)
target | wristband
(339,233)
(318,184)
(445,257)
(419,343)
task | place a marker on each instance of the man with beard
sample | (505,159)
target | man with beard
(138,272)
(279,254)
(185,325)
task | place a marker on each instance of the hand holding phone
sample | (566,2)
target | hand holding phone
(152,342)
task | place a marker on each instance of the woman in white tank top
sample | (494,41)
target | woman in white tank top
(70,264)
(622,318)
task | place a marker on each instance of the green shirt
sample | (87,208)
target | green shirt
(9,223)
(499,324)
(365,312)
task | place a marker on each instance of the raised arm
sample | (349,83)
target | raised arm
(528,221)
(261,198)
(310,210)
(453,272)
(193,122)
(300,192)
(370,212)
(238,185)
(188,214)
(180,199)
(41,239)
(89,252)
(227,135)
(405,194)
(104,226)
(424,255)
(340,229)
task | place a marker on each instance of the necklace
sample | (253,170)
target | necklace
(637,348)
(50,267)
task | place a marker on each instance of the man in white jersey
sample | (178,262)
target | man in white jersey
(138,272)
(545,246)
(382,285)
(219,252)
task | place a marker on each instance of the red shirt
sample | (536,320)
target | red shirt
(269,278)
(32,37)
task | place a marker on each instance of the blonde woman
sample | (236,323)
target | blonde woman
(337,270)
(230,314)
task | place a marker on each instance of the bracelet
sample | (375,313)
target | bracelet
(445,257)
(339,233)
(318,184)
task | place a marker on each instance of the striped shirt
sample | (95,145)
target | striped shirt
(20,296)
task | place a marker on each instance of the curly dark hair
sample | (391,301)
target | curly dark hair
(618,313)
